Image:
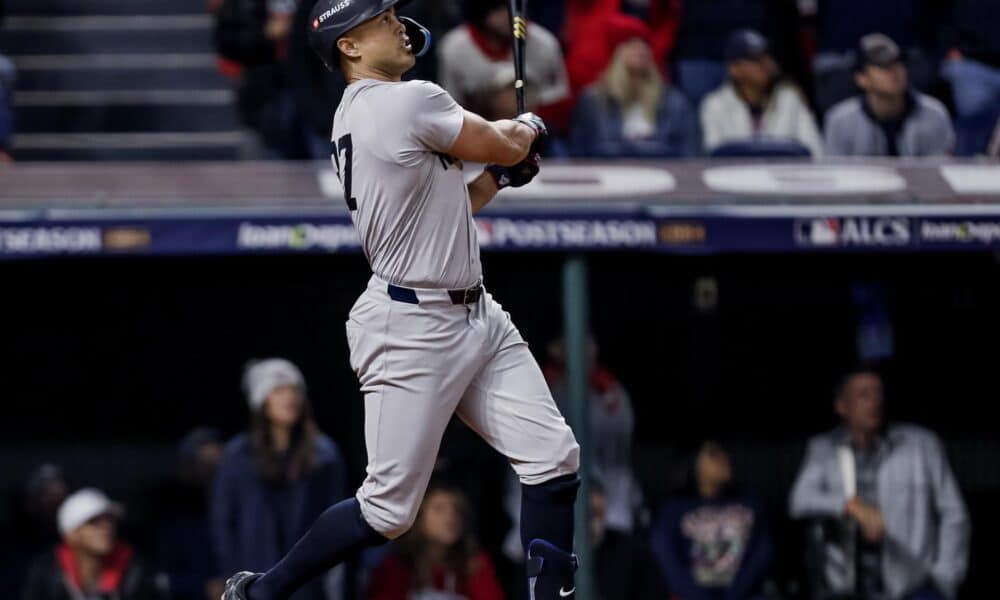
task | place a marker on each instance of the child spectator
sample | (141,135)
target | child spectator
(713,542)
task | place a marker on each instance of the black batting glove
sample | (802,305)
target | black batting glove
(520,174)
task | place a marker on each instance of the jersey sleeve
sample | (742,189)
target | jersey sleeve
(427,120)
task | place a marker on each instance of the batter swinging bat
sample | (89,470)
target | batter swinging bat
(519,26)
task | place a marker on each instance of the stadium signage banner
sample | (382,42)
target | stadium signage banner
(628,231)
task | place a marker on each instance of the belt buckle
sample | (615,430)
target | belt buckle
(472,294)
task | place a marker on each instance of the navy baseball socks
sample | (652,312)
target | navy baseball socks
(547,534)
(336,535)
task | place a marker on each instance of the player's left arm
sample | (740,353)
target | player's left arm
(482,189)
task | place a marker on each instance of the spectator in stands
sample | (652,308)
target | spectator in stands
(184,540)
(91,563)
(256,34)
(755,105)
(632,111)
(274,480)
(612,423)
(34,525)
(712,542)
(469,53)
(888,517)
(44,493)
(705,26)
(841,23)
(438,558)
(593,32)
(888,119)
(973,68)
(624,568)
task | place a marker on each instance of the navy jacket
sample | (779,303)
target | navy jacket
(597,128)
(699,543)
(255,522)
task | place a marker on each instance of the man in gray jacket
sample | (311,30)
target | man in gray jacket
(887,520)
(889,118)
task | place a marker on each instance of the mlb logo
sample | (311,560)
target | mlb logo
(315,23)
(817,232)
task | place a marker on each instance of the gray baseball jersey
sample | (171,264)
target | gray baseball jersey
(407,196)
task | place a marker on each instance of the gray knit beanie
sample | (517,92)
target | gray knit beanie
(261,377)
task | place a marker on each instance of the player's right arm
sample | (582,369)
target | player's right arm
(419,116)
(504,142)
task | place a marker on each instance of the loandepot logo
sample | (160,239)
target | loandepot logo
(853,231)
(304,236)
(49,240)
(966,232)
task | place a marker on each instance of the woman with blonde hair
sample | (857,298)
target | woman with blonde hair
(631,110)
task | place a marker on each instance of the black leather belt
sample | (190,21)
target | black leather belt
(467,296)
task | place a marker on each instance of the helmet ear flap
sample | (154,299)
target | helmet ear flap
(420,36)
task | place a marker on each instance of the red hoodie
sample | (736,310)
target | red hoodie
(112,571)
(393,578)
(594,28)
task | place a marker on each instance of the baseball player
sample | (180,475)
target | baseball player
(426,340)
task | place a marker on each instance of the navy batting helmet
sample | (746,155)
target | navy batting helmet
(330,19)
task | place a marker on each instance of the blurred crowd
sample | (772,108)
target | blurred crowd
(655,78)
(881,514)
(666,78)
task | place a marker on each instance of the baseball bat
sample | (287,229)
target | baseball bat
(519,27)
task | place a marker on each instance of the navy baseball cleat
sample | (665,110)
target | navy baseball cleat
(236,586)
(550,572)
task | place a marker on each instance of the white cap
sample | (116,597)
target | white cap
(260,378)
(83,506)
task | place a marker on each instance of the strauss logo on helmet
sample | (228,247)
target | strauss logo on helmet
(329,13)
